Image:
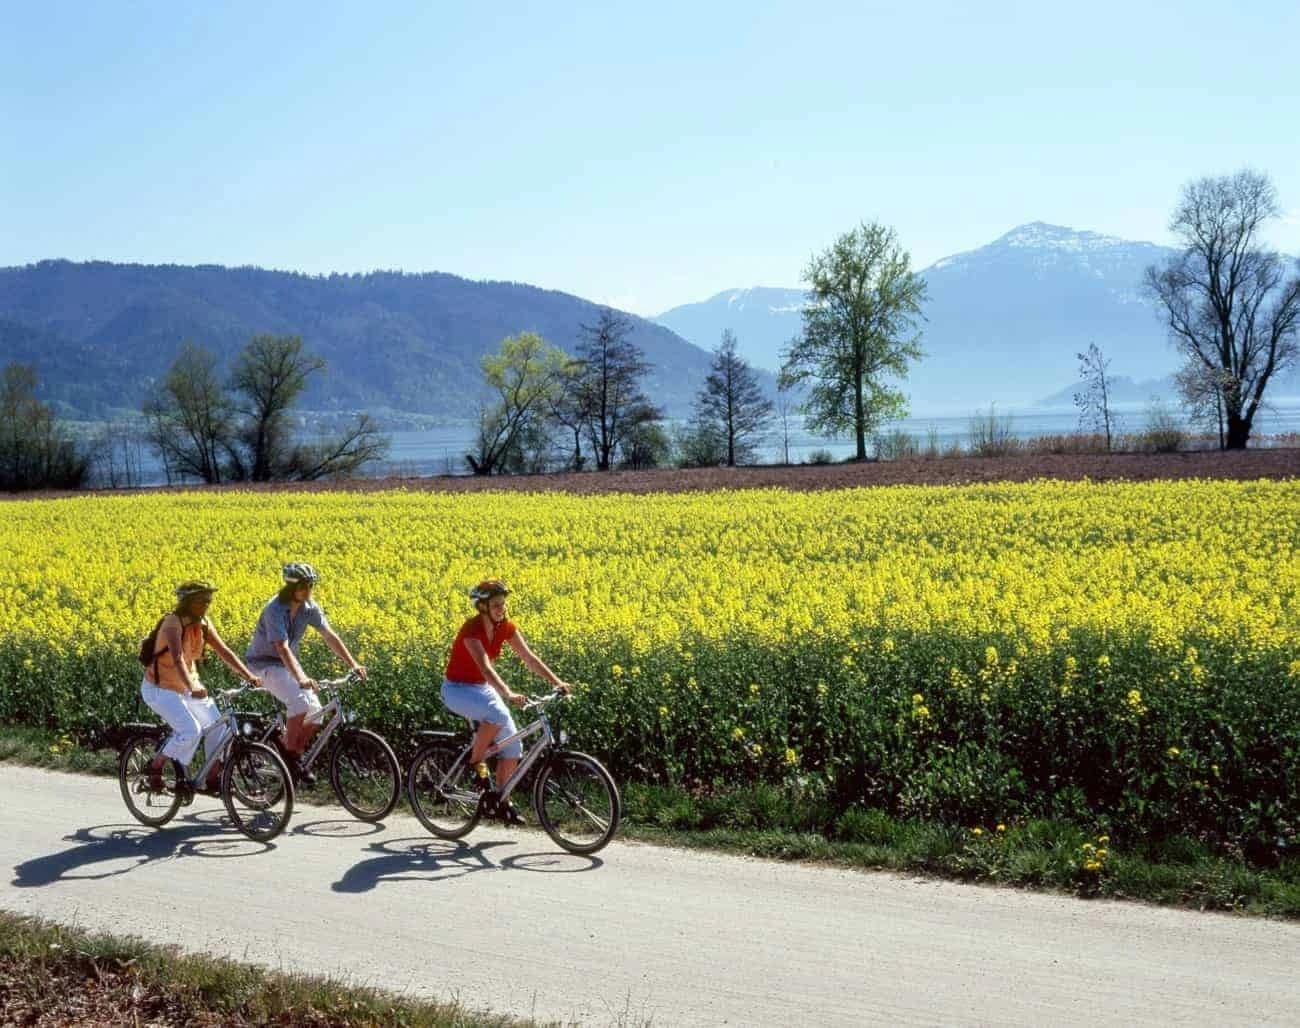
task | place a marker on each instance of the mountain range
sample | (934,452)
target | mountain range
(102,334)
(1003,323)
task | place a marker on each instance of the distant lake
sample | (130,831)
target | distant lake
(441,450)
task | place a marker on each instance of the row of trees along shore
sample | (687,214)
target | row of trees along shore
(1231,306)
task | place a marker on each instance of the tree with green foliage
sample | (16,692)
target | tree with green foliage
(1232,305)
(526,375)
(35,452)
(859,325)
(733,402)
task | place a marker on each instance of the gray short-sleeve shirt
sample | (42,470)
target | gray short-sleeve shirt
(274,626)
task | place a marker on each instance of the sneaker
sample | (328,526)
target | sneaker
(509,813)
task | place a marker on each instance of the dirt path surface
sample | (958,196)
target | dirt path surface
(639,933)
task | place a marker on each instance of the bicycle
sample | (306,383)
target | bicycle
(574,797)
(363,770)
(255,784)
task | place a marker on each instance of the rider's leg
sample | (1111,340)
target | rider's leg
(186,727)
(207,714)
(483,737)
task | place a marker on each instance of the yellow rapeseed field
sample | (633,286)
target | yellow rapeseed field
(802,621)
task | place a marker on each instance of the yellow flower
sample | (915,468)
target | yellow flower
(756,749)
(1103,662)
(753,688)
(977,831)
(888,644)
(822,689)
(1002,828)
(738,733)
(616,670)
(791,757)
(663,711)
(990,655)
(1173,751)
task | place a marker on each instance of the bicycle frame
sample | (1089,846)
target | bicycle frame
(332,716)
(541,726)
(210,759)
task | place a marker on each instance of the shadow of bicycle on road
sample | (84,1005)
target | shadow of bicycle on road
(423,859)
(105,851)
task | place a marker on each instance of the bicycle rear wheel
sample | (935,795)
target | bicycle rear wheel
(257,790)
(150,806)
(365,775)
(577,802)
(441,790)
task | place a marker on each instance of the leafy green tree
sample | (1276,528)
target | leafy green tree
(35,452)
(859,325)
(1232,305)
(526,375)
(733,402)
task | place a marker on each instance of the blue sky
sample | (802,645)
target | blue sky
(635,156)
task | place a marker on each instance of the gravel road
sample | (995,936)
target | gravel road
(637,934)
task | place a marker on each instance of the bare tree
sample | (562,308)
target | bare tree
(190,420)
(35,451)
(269,375)
(568,409)
(116,455)
(785,407)
(1093,400)
(1202,390)
(733,401)
(358,444)
(859,325)
(611,383)
(1227,300)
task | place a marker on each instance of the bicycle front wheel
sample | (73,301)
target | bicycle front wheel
(441,790)
(257,790)
(152,799)
(365,775)
(577,802)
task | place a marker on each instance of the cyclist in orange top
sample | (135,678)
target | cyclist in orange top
(474,690)
(171,685)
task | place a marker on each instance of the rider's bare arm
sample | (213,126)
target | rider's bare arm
(230,658)
(535,664)
(290,662)
(498,683)
(340,650)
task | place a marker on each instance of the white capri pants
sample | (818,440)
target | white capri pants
(284,687)
(188,718)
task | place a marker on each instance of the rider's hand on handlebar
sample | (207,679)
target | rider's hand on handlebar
(308,683)
(360,672)
(516,699)
(199,693)
(563,687)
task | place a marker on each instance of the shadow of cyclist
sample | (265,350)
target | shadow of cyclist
(436,860)
(130,847)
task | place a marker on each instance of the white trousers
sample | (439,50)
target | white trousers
(284,687)
(188,718)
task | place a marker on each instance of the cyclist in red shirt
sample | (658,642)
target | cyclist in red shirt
(474,690)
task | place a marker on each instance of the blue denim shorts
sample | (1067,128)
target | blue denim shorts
(480,702)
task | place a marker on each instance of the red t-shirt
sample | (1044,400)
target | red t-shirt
(461,666)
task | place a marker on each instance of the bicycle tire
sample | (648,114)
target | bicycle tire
(448,817)
(577,802)
(132,772)
(255,779)
(365,775)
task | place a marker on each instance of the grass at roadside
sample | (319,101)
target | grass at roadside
(1042,854)
(57,975)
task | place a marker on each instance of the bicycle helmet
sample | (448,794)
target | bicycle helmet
(488,588)
(193,587)
(301,573)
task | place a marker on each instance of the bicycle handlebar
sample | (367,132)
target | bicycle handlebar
(541,701)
